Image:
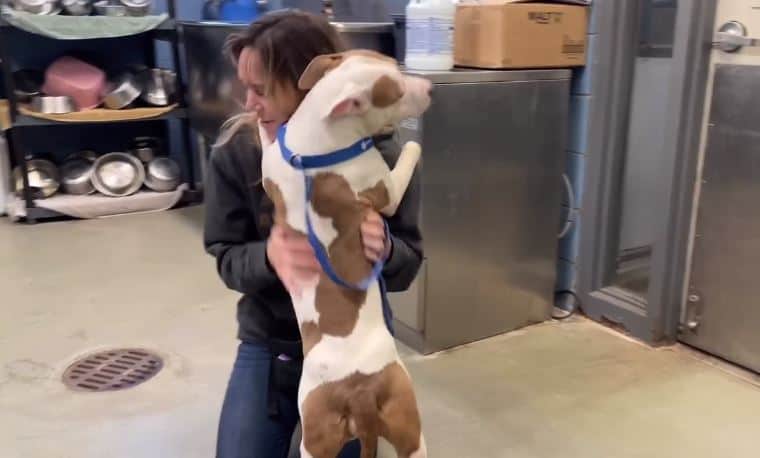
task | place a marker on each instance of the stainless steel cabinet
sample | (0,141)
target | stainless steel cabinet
(493,156)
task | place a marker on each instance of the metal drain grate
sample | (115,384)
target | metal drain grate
(112,370)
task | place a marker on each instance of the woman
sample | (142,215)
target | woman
(260,410)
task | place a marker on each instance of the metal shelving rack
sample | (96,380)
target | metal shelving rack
(166,31)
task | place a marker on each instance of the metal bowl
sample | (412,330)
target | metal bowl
(160,86)
(106,8)
(53,104)
(137,7)
(89,155)
(75,176)
(145,148)
(118,174)
(28,84)
(122,92)
(162,175)
(77,7)
(43,176)
(35,6)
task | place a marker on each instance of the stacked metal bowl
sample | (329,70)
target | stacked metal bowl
(154,86)
(122,174)
(114,8)
(41,7)
(120,8)
(116,174)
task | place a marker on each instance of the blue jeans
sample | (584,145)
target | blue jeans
(245,428)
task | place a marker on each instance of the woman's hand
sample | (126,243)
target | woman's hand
(376,245)
(292,258)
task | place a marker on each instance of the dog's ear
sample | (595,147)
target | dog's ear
(353,100)
(317,69)
(386,91)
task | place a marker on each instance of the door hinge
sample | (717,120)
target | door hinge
(692,315)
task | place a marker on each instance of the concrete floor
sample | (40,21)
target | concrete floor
(571,389)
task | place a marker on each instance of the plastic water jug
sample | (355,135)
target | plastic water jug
(430,34)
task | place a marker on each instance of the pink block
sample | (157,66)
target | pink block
(79,80)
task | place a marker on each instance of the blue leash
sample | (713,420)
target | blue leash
(304,163)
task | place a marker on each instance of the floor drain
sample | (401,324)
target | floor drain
(112,370)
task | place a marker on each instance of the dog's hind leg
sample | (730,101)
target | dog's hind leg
(324,430)
(400,418)
(401,175)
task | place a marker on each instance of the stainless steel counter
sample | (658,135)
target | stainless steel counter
(463,75)
(493,155)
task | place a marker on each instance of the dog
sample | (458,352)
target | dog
(322,172)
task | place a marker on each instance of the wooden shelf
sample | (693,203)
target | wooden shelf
(25,120)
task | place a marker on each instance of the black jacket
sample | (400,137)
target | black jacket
(238,221)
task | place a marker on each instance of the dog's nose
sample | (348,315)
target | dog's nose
(430,90)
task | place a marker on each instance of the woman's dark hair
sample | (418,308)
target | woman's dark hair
(286,41)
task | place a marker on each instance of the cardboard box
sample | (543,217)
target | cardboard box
(499,34)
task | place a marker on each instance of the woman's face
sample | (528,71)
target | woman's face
(273,102)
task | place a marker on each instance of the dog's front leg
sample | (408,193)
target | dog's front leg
(399,178)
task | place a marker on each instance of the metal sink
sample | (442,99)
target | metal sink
(214,92)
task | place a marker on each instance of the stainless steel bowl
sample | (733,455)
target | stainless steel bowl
(106,8)
(75,176)
(145,148)
(122,92)
(160,86)
(34,6)
(28,84)
(53,104)
(43,176)
(137,7)
(77,7)
(162,175)
(87,154)
(47,8)
(118,174)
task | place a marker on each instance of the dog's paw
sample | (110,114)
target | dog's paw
(412,148)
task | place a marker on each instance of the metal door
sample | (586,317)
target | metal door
(722,312)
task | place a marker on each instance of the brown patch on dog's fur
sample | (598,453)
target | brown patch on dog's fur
(338,307)
(310,336)
(364,406)
(377,195)
(274,193)
(385,92)
(317,68)
(322,64)
(332,197)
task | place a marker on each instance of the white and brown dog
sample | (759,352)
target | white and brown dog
(321,173)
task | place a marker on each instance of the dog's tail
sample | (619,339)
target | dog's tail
(365,421)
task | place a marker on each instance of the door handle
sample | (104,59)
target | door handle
(732,36)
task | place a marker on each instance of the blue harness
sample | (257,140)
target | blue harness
(304,163)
